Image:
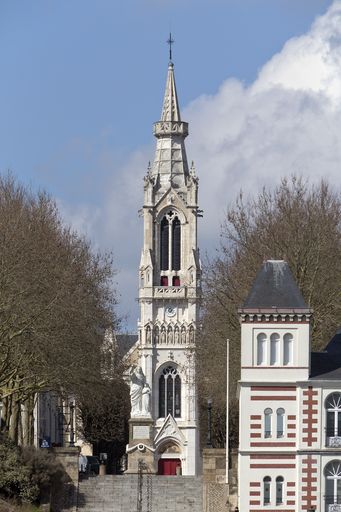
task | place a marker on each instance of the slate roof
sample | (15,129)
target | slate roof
(326,365)
(125,342)
(275,287)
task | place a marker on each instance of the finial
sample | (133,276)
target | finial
(170,41)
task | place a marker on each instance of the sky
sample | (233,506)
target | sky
(82,82)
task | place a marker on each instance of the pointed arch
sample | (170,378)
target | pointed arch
(169,392)
(148,335)
(169,335)
(176,334)
(163,334)
(176,244)
(191,334)
(156,334)
(164,244)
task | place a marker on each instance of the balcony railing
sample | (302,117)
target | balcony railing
(333,439)
(331,506)
(334,507)
(169,292)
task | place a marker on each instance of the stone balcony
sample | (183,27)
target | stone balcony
(170,292)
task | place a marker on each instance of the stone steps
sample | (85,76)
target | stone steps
(116,493)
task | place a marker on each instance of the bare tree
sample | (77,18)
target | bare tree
(56,300)
(298,222)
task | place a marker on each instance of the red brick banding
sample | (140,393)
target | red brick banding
(310,391)
(273,466)
(272,397)
(291,416)
(309,488)
(309,416)
(272,456)
(265,443)
(255,425)
(271,510)
(254,484)
(273,388)
(255,417)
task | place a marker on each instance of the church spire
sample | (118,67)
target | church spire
(170,108)
(170,164)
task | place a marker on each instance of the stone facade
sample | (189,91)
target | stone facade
(169,291)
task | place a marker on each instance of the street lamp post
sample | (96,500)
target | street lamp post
(209,424)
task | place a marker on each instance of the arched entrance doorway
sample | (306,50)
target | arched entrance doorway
(169,460)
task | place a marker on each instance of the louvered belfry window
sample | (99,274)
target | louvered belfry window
(164,244)
(170,244)
(176,244)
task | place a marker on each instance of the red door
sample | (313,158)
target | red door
(168,466)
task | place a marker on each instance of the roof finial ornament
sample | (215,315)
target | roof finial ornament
(170,41)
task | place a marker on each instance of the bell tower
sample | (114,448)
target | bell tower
(169,295)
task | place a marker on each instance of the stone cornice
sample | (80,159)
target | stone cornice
(275,315)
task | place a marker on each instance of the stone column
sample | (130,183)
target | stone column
(65,498)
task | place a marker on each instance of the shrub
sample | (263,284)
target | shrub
(27,472)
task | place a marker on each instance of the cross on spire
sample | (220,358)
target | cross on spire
(170,41)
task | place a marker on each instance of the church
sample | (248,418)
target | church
(163,425)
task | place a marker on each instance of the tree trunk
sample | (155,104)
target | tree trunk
(14,423)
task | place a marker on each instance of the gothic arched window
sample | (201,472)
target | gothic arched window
(170,244)
(164,244)
(169,393)
(333,410)
(332,473)
(176,244)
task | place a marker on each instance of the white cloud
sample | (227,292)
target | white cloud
(287,121)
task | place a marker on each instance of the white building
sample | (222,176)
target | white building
(290,402)
(169,291)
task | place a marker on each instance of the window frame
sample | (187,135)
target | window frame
(170,392)
(267,481)
(279,480)
(267,418)
(280,413)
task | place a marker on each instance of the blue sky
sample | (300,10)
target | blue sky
(82,82)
